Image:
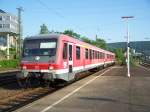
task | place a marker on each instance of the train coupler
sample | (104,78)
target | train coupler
(23,74)
(48,76)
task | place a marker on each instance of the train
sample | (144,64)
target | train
(59,57)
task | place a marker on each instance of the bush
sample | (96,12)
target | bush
(121,60)
(14,63)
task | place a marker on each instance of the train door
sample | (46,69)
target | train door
(70,60)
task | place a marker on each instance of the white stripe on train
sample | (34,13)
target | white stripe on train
(61,71)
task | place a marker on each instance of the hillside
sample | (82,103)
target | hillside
(139,46)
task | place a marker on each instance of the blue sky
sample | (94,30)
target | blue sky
(86,17)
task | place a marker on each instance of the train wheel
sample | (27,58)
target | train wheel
(24,83)
(47,83)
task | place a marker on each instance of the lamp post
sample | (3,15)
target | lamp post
(126,18)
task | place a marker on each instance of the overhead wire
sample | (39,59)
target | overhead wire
(56,13)
(52,10)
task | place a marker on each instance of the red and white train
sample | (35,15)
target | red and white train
(60,57)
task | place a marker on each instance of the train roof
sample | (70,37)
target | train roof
(55,35)
(41,36)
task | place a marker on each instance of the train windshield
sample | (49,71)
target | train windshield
(40,47)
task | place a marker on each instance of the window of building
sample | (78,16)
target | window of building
(6,25)
(65,51)
(77,52)
(1,18)
(7,18)
(86,53)
(1,25)
(3,40)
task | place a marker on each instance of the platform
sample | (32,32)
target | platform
(108,90)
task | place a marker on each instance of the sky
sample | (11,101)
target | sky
(86,17)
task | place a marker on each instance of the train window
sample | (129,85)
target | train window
(93,54)
(90,54)
(98,55)
(65,51)
(70,52)
(77,52)
(107,56)
(40,47)
(103,55)
(86,53)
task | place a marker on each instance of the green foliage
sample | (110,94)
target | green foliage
(72,34)
(100,43)
(120,56)
(87,40)
(44,29)
(2,52)
(9,63)
(133,60)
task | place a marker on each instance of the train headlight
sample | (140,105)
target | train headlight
(24,67)
(51,67)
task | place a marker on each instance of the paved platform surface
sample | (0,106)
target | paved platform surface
(107,91)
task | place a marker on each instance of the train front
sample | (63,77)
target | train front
(38,59)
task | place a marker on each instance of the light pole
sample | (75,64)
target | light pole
(20,9)
(128,41)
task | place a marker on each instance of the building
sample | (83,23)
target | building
(8,25)
(8,30)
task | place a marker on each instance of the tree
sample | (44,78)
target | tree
(99,43)
(85,39)
(120,56)
(72,34)
(44,29)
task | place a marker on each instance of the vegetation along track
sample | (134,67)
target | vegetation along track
(17,97)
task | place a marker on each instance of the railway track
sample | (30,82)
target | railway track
(147,65)
(26,96)
(8,78)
